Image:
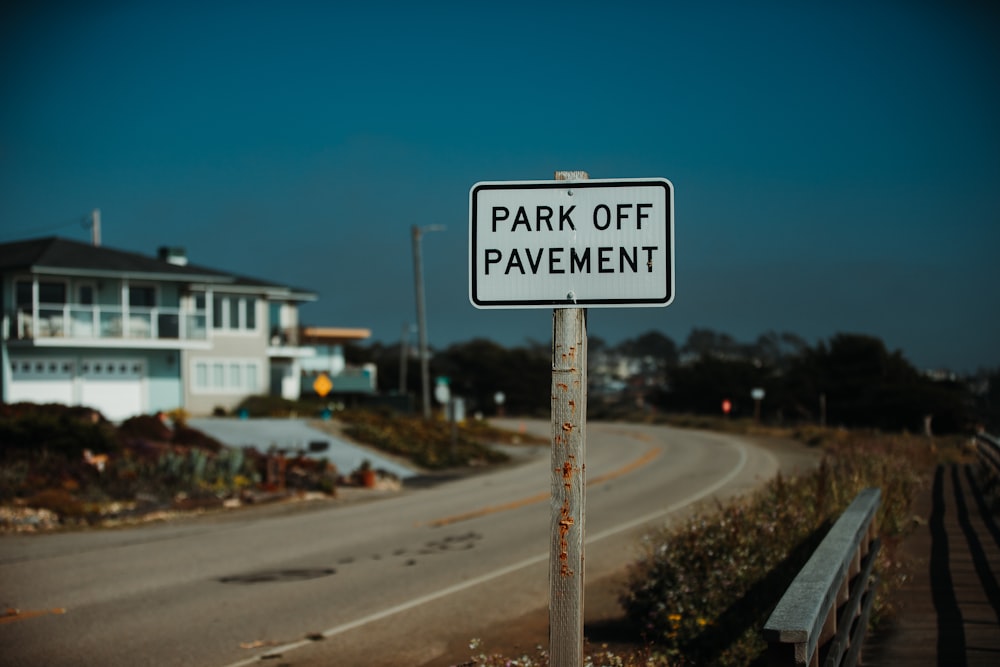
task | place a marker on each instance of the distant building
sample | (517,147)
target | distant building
(128,334)
(328,359)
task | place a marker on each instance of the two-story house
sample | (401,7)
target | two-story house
(127,334)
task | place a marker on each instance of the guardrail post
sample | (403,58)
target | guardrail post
(988,453)
(825,609)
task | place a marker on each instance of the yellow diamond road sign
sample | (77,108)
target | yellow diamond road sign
(323,385)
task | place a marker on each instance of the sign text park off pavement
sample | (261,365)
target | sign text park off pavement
(565,244)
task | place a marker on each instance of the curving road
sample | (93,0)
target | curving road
(388,582)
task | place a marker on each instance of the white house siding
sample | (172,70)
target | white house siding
(237,366)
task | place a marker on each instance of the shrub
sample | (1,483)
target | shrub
(59,501)
(185,435)
(42,459)
(58,429)
(431,444)
(702,591)
(145,427)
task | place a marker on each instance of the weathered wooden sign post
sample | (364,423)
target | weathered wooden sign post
(570,244)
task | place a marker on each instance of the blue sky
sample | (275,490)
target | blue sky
(835,167)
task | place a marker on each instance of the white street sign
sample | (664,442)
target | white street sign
(565,244)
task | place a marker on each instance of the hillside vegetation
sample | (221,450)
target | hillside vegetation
(702,590)
(850,380)
(68,466)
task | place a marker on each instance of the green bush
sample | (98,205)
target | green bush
(145,427)
(25,427)
(62,502)
(190,437)
(42,460)
(428,443)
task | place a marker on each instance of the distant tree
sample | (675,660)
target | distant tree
(865,385)
(706,342)
(477,370)
(596,344)
(702,386)
(651,344)
(861,382)
(777,349)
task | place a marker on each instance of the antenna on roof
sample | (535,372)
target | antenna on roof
(95,227)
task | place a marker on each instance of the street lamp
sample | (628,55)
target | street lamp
(418,274)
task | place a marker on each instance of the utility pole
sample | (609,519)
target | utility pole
(418,279)
(404,344)
(95,227)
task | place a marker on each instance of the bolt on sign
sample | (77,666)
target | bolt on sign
(552,244)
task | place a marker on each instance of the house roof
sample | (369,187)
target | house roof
(59,256)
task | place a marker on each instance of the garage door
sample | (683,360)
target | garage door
(116,387)
(41,381)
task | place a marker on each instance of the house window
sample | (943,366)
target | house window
(226,376)
(231,312)
(218,311)
(141,296)
(234,313)
(51,292)
(250,306)
(85,295)
(52,369)
(252,378)
(23,295)
(201,375)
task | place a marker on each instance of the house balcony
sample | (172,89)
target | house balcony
(101,326)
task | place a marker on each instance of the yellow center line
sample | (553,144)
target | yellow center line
(492,509)
(646,458)
(13,615)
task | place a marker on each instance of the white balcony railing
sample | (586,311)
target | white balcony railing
(111,322)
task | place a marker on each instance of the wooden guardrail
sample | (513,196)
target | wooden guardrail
(988,453)
(822,617)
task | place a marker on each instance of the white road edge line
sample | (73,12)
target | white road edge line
(534,560)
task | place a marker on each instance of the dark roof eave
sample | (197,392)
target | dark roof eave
(271,291)
(138,275)
(64,257)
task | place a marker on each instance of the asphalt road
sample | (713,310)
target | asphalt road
(387,582)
